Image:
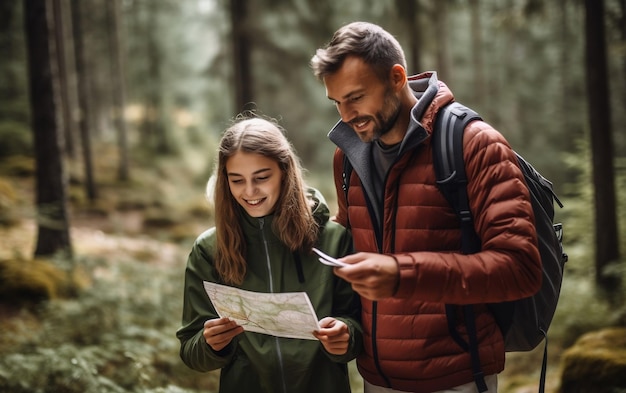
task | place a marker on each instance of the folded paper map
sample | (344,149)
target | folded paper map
(278,314)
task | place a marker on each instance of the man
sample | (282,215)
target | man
(408,264)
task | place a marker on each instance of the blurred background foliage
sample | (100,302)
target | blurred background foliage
(104,321)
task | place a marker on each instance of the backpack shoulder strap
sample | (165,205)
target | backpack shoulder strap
(447,145)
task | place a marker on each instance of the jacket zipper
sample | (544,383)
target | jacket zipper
(380,240)
(378,231)
(271,288)
(393,250)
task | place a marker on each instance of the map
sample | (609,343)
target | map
(287,314)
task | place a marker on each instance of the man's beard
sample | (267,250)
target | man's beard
(387,117)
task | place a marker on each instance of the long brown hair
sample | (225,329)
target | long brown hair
(293,222)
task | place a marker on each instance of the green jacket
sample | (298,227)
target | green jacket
(255,362)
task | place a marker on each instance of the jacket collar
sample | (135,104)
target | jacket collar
(251,226)
(431,95)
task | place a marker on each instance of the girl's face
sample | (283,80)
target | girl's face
(254,181)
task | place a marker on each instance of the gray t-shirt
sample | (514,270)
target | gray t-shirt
(383,156)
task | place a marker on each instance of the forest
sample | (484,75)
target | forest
(110,114)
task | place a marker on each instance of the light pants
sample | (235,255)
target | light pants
(490,380)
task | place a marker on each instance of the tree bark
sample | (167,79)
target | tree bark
(477,57)
(64,102)
(408,12)
(154,126)
(118,76)
(606,231)
(11,85)
(622,25)
(564,63)
(83,100)
(439,11)
(52,218)
(242,47)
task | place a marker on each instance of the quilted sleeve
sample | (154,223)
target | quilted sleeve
(509,265)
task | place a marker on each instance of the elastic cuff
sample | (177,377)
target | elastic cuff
(408,276)
(395,289)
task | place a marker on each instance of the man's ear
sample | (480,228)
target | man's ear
(397,76)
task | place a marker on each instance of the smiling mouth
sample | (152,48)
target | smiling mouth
(358,124)
(254,202)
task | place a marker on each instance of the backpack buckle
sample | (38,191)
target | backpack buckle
(465,216)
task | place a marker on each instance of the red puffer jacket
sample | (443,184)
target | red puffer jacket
(406,339)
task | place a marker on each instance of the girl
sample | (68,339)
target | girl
(267,221)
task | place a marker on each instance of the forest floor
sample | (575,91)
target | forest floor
(132,291)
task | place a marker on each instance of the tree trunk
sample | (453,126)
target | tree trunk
(241,44)
(408,12)
(66,105)
(155,130)
(83,99)
(564,62)
(12,85)
(439,13)
(606,231)
(53,223)
(119,87)
(477,57)
(622,27)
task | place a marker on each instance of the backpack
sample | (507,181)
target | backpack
(524,323)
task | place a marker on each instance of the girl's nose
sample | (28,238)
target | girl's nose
(250,189)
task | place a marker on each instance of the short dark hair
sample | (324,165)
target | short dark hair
(377,47)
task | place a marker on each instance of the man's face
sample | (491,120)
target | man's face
(363,101)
